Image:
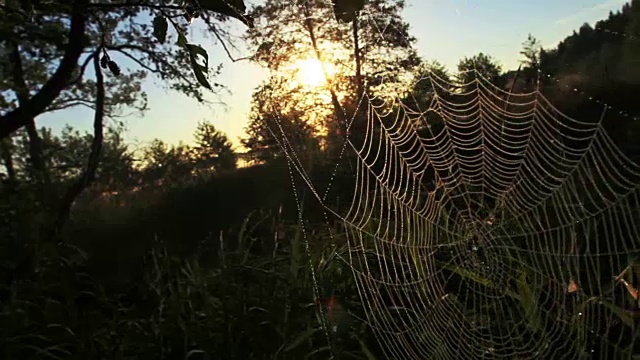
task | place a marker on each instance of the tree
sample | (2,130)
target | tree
(75,34)
(365,58)
(213,151)
(177,164)
(6,151)
(65,156)
(42,30)
(421,92)
(264,133)
(631,48)
(268,133)
(531,52)
(481,64)
(167,165)
(347,10)
(592,57)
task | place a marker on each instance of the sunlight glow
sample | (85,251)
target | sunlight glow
(309,72)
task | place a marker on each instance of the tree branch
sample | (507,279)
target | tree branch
(226,49)
(71,103)
(81,72)
(121,50)
(9,9)
(154,55)
(112,6)
(94,157)
(19,117)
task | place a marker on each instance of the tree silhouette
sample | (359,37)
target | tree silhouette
(531,52)
(166,165)
(271,127)
(481,64)
(213,152)
(421,93)
(41,32)
(75,34)
(373,55)
(65,157)
(631,48)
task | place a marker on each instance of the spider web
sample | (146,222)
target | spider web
(490,225)
(499,234)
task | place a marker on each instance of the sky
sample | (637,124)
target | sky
(446,30)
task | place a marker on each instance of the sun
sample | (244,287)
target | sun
(310,73)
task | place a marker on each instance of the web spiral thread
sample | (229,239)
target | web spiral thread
(498,235)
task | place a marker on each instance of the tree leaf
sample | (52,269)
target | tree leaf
(234,9)
(195,50)
(264,51)
(160,26)
(199,69)
(347,10)
(182,39)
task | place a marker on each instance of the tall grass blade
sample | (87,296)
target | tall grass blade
(318,351)
(529,304)
(304,336)
(366,350)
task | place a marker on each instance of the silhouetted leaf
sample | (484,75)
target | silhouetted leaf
(263,52)
(194,51)
(232,8)
(160,26)
(199,69)
(182,39)
(114,68)
(346,10)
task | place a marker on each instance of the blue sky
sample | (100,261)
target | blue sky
(447,30)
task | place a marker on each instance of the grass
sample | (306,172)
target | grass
(192,273)
(246,293)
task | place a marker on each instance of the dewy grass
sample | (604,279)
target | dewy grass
(255,301)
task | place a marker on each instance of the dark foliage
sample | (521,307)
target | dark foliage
(173,252)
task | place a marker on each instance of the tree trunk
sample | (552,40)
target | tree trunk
(7,159)
(37,157)
(94,157)
(358,57)
(339,111)
(35,142)
(357,128)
